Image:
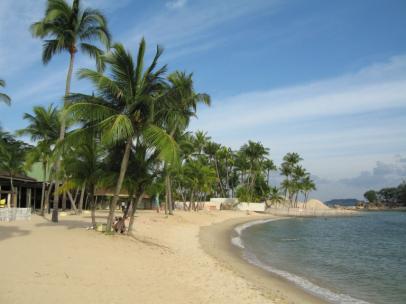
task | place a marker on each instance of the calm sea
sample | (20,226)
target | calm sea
(344,260)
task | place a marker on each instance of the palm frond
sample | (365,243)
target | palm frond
(94,52)
(116,128)
(163,142)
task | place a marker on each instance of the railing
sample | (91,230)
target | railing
(15,214)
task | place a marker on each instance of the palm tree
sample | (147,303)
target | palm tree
(298,174)
(268,166)
(275,197)
(307,186)
(225,157)
(84,164)
(200,141)
(43,128)
(123,107)
(211,149)
(4,97)
(290,160)
(68,28)
(255,153)
(177,106)
(12,156)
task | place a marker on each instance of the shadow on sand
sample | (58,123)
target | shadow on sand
(11,231)
(68,224)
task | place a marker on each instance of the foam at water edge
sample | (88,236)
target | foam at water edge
(237,241)
(302,282)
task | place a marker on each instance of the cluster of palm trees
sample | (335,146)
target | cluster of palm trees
(131,132)
(297,179)
(209,169)
(131,121)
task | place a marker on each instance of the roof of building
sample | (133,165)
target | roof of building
(17,177)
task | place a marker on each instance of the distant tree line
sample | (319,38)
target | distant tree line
(392,196)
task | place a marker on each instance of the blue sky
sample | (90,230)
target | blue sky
(326,79)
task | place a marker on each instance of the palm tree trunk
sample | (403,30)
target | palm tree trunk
(47,195)
(82,195)
(64,201)
(123,169)
(11,204)
(61,137)
(44,177)
(73,202)
(218,176)
(92,188)
(169,193)
(166,198)
(131,223)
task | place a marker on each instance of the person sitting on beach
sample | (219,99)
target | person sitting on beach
(119,224)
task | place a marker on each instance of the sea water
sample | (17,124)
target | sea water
(359,259)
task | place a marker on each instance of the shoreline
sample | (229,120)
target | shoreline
(215,240)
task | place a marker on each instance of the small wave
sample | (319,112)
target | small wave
(304,283)
(237,241)
(290,240)
(299,281)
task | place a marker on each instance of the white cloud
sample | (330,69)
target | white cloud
(378,87)
(190,27)
(176,4)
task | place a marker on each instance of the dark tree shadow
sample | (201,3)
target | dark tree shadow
(11,231)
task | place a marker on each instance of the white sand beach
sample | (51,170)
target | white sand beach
(164,262)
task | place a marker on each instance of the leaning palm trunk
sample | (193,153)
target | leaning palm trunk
(44,176)
(134,208)
(123,169)
(61,138)
(82,195)
(73,202)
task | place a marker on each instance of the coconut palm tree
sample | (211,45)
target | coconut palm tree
(307,186)
(83,165)
(268,165)
(4,97)
(200,140)
(12,157)
(290,160)
(176,107)
(69,28)
(43,128)
(255,154)
(211,149)
(122,108)
(275,197)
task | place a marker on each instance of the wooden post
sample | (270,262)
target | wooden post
(35,198)
(28,198)
(9,200)
(18,198)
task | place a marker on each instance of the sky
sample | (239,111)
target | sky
(325,79)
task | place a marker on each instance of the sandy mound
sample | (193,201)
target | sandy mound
(316,204)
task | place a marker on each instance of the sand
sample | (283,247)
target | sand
(43,262)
